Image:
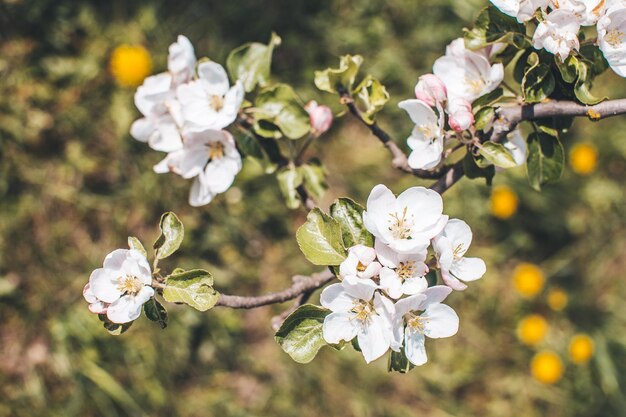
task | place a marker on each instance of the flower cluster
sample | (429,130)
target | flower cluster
(384,299)
(559,22)
(458,79)
(185,111)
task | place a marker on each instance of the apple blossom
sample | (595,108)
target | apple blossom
(181,61)
(209,102)
(321,117)
(407,223)
(612,38)
(522,10)
(121,286)
(401,273)
(431,90)
(426,140)
(558,33)
(361,313)
(460,116)
(435,321)
(587,12)
(211,157)
(450,246)
(467,74)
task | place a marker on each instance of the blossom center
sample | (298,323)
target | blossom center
(415,323)
(458,250)
(615,38)
(216,150)
(360,267)
(428,131)
(400,226)
(406,269)
(129,284)
(476,86)
(217,103)
(363,310)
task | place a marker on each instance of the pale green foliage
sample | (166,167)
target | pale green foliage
(300,335)
(194,288)
(320,239)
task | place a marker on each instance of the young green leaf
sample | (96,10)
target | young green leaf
(251,63)
(349,215)
(538,82)
(301,335)
(194,288)
(497,154)
(331,79)
(156,312)
(172,233)
(473,170)
(370,97)
(398,362)
(545,159)
(289,179)
(115,329)
(320,239)
(280,106)
(483,118)
(314,177)
(492,26)
(134,243)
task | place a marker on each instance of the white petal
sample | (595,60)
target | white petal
(387,256)
(336,299)
(426,154)
(419,112)
(142,129)
(426,206)
(440,320)
(414,347)
(364,254)
(459,234)
(468,269)
(214,77)
(451,281)
(337,327)
(199,195)
(88,294)
(412,286)
(435,295)
(411,303)
(103,284)
(359,288)
(374,339)
(349,265)
(128,308)
(168,137)
(391,283)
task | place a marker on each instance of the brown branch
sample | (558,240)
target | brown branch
(301,285)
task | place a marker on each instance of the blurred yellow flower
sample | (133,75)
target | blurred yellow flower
(546,367)
(528,279)
(130,64)
(532,329)
(583,158)
(503,202)
(581,348)
(557,299)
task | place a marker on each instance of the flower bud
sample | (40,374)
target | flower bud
(321,117)
(431,90)
(460,114)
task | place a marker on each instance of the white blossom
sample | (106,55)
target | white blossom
(523,10)
(612,37)
(419,316)
(209,102)
(121,286)
(181,61)
(431,90)
(467,74)
(460,116)
(407,223)
(426,140)
(558,33)
(211,157)
(401,273)
(361,313)
(450,247)
(587,12)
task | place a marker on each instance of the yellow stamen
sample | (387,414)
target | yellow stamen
(129,284)
(216,150)
(400,227)
(217,103)
(615,38)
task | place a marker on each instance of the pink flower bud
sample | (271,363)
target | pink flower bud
(460,114)
(321,117)
(431,90)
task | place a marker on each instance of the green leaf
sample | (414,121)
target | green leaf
(568,68)
(398,362)
(194,288)
(545,159)
(497,154)
(483,118)
(492,26)
(249,145)
(538,82)
(289,179)
(115,329)
(251,63)
(134,243)
(472,170)
(370,97)
(488,99)
(349,215)
(331,79)
(314,176)
(172,233)
(279,106)
(320,239)
(582,87)
(156,312)
(300,335)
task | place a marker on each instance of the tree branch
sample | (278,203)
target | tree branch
(301,285)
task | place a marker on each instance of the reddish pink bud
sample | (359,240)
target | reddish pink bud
(321,117)
(431,90)
(460,114)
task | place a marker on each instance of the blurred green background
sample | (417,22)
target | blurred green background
(73,185)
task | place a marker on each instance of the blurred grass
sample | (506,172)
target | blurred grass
(73,185)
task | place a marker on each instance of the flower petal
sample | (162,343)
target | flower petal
(103,284)
(468,269)
(440,320)
(359,288)
(335,298)
(374,338)
(337,327)
(414,347)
